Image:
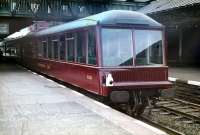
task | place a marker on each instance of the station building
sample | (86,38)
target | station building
(181,18)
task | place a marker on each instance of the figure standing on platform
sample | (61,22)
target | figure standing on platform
(1,55)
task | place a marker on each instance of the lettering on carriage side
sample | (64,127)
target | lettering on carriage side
(89,77)
(41,65)
(48,67)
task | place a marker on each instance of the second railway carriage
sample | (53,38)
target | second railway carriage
(117,54)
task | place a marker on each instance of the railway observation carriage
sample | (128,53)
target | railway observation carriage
(117,54)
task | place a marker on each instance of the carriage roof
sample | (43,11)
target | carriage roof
(111,17)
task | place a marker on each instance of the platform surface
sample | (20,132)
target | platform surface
(31,104)
(185,73)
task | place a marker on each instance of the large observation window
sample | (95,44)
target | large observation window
(148,47)
(117,47)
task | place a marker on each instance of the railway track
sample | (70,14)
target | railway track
(175,116)
(181,107)
(187,92)
(160,126)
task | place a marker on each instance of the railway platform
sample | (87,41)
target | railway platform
(188,75)
(185,73)
(186,84)
(31,104)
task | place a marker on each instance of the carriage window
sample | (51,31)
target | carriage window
(70,39)
(40,48)
(80,49)
(148,46)
(55,49)
(117,47)
(44,49)
(62,48)
(49,48)
(91,47)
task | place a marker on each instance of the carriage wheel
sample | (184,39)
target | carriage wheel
(137,104)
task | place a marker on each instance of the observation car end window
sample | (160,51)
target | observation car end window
(148,47)
(117,47)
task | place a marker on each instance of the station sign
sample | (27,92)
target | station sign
(39,25)
(4,28)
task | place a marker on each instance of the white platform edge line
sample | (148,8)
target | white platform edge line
(77,93)
(62,86)
(101,104)
(41,76)
(49,80)
(34,73)
(193,82)
(172,79)
(158,131)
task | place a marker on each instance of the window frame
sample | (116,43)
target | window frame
(163,47)
(133,28)
(84,46)
(49,40)
(66,44)
(132,39)
(97,44)
(52,49)
(44,41)
(65,51)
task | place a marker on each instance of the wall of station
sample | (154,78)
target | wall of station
(13,24)
(184,46)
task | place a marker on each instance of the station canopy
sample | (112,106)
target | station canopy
(164,5)
(121,0)
(37,26)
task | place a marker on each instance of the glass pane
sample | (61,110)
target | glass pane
(148,46)
(55,49)
(91,47)
(39,45)
(49,48)
(62,48)
(117,47)
(44,51)
(80,47)
(70,47)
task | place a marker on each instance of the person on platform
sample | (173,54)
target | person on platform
(1,55)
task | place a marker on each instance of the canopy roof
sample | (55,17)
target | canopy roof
(111,17)
(19,34)
(163,5)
